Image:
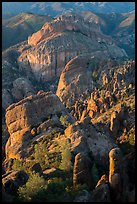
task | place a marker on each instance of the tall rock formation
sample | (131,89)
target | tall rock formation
(24,117)
(61,40)
(117,176)
(82,170)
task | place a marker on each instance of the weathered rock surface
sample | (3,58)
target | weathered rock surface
(92,108)
(13,181)
(82,170)
(77,137)
(117,176)
(81,77)
(15,83)
(80,81)
(115,123)
(22,88)
(101,193)
(61,40)
(89,139)
(100,144)
(27,114)
(117,120)
(7,165)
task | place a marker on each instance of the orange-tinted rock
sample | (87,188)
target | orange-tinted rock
(117,176)
(101,193)
(92,108)
(77,138)
(82,170)
(59,41)
(25,115)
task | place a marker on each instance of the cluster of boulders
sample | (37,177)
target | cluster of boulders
(115,83)
(32,118)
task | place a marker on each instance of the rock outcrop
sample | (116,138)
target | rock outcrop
(114,123)
(61,40)
(89,140)
(101,193)
(82,170)
(83,76)
(76,77)
(100,144)
(26,115)
(117,120)
(22,88)
(117,176)
(77,137)
(13,181)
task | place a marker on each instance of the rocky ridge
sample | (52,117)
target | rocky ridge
(87,123)
(64,38)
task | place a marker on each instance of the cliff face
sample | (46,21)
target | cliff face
(61,40)
(25,115)
(94,77)
(17,28)
(48,51)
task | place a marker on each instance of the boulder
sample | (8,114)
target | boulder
(100,144)
(22,88)
(117,119)
(13,180)
(27,115)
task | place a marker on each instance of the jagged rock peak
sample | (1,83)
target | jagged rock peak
(66,22)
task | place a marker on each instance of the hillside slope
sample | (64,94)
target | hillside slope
(17,28)
(57,8)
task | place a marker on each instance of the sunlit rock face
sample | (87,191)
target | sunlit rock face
(61,40)
(25,115)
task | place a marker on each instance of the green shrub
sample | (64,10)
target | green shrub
(40,154)
(73,192)
(33,186)
(18,165)
(44,157)
(66,156)
(65,120)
